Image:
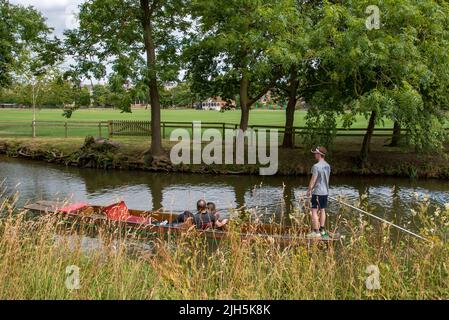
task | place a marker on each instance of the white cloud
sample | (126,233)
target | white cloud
(60,14)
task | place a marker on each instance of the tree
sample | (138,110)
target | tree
(81,47)
(393,72)
(25,43)
(101,95)
(31,50)
(230,50)
(59,92)
(120,32)
(179,95)
(36,83)
(53,92)
(292,52)
(6,42)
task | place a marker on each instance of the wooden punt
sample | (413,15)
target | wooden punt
(285,235)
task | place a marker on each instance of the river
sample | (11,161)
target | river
(390,198)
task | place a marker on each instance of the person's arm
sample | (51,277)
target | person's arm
(215,222)
(312,182)
(221,224)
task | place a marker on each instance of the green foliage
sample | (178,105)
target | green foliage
(236,39)
(82,98)
(322,128)
(399,71)
(54,92)
(100,95)
(26,45)
(6,41)
(180,95)
(115,37)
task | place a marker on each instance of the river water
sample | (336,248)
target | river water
(391,198)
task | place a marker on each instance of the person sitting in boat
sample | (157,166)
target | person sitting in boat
(203,219)
(184,217)
(213,210)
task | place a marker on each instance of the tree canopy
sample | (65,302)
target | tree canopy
(393,72)
(384,59)
(139,39)
(26,43)
(233,47)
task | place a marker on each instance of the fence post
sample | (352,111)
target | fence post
(65,130)
(163,130)
(223,137)
(99,129)
(110,129)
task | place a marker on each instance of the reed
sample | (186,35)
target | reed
(35,254)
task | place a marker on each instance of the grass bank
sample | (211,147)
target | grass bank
(35,255)
(130,154)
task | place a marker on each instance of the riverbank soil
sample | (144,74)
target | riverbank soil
(129,154)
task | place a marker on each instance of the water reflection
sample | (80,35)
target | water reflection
(176,192)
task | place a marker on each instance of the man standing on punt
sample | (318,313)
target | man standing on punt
(319,191)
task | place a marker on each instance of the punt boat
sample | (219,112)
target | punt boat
(159,223)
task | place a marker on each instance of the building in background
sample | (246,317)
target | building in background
(270,102)
(215,103)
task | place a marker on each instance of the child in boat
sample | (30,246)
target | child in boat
(213,210)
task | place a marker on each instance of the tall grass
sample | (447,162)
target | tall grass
(34,255)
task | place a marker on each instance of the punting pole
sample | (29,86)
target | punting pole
(381,219)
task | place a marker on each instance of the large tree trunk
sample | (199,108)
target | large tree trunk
(244,101)
(156,140)
(367,139)
(396,134)
(291,107)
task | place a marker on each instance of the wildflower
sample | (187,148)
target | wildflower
(437,212)
(413,212)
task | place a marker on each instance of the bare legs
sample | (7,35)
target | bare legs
(318,218)
(323,218)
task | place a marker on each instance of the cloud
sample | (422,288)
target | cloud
(60,14)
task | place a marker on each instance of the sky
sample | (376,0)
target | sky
(60,14)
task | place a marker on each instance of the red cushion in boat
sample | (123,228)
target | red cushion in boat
(117,212)
(73,207)
(120,212)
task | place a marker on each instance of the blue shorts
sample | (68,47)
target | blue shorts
(319,202)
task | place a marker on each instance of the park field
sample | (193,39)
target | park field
(17,122)
(257,117)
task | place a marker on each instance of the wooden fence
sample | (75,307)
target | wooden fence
(121,128)
(53,128)
(129,128)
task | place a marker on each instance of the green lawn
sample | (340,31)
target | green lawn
(257,117)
